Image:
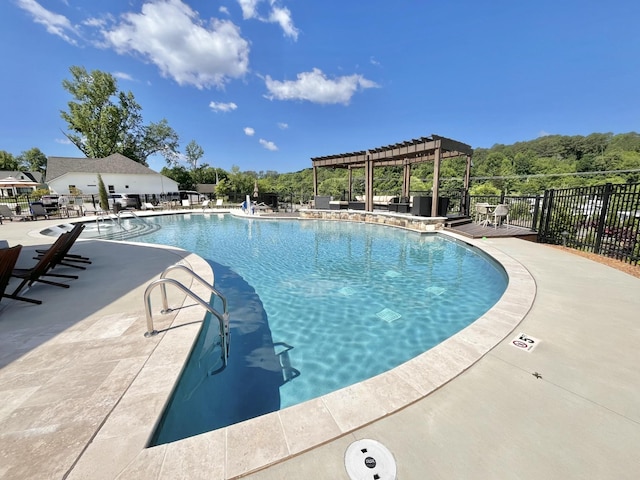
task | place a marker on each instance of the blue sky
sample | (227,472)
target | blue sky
(269,84)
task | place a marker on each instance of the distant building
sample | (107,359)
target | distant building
(15,182)
(120,174)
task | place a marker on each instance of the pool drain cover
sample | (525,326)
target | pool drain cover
(436,290)
(388,315)
(369,460)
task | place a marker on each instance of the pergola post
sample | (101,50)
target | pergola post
(467,181)
(350,183)
(436,182)
(315,181)
(368,181)
(406,178)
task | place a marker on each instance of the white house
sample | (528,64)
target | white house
(119,174)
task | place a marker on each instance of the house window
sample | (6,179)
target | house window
(111,189)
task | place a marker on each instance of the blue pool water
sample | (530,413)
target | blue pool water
(316,306)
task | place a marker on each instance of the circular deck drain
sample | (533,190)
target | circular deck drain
(369,460)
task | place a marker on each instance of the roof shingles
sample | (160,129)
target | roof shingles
(116,163)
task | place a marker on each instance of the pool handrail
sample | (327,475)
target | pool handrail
(223,318)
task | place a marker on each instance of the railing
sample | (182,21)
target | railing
(524,211)
(163,281)
(603,219)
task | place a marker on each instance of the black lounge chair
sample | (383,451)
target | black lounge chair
(8,259)
(38,210)
(50,258)
(65,257)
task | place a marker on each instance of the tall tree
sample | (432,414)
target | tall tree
(8,161)
(103,120)
(34,160)
(193,152)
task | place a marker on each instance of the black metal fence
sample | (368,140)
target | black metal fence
(603,219)
(524,211)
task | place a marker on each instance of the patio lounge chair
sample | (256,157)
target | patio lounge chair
(38,210)
(65,257)
(91,209)
(8,258)
(150,206)
(5,212)
(41,269)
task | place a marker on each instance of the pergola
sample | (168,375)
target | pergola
(424,149)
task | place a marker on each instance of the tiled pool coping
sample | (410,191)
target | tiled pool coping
(119,445)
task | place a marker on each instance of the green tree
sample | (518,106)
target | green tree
(103,120)
(155,138)
(193,153)
(102,194)
(8,161)
(223,188)
(34,160)
(181,175)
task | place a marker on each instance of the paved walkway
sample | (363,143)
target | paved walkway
(568,409)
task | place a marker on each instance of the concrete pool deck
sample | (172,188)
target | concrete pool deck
(80,391)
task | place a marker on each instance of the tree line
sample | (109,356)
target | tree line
(103,120)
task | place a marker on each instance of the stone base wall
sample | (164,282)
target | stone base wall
(420,224)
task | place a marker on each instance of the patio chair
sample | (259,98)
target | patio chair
(150,206)
(91,209)
(41,269)
(482,214)
(38,210)
(65,257)
(186,204)
(501,211)
(8,258)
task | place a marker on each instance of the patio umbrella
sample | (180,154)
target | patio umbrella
(255,189)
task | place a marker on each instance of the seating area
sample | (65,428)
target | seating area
(495,215)
(55,256)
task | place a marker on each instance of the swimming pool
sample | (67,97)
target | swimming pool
(316,306)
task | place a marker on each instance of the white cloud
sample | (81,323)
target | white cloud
(171,35)
(282,126)
(282,16)
(222,107)
(315,87)
(276,14)
(63,141)
(249,8)
(268,145)
(249,131)
(224,10)
(122,76)
(54,23)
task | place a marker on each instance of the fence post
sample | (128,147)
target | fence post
(536,212)
(604,210)
(545,215)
